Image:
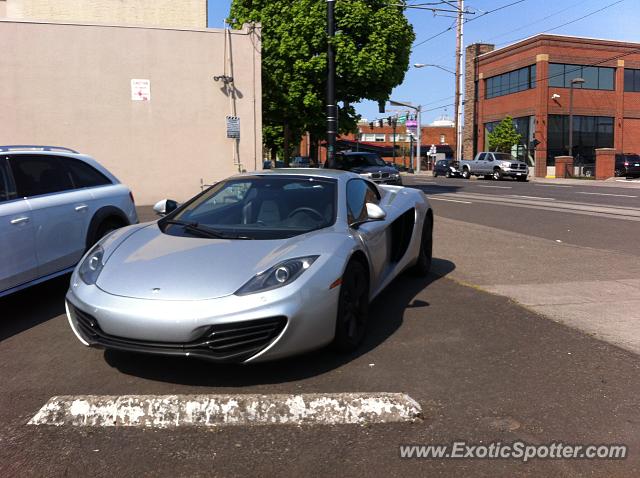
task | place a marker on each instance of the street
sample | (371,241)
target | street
(468,344)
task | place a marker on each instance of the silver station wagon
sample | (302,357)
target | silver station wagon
(54,204)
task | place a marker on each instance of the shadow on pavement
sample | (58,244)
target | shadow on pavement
(386,317)
(33,306)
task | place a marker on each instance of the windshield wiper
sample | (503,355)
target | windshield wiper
(195,228)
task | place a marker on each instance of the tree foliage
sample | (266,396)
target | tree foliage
(504,136)
(372,45)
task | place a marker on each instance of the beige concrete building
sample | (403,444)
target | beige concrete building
(161,13)
(72,85)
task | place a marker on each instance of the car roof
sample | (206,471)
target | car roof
(67,153)
(353,153)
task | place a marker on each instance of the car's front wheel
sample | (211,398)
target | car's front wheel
(448,174)
(353,308)
(497,174)
(466,174)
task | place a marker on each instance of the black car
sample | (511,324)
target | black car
(446,167)
(368,165)
(628,165)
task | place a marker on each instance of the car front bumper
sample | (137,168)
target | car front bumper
(515,173)
(253,328)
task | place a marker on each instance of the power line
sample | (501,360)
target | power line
(496,10)
(535,21)
(434,36)
(571,21)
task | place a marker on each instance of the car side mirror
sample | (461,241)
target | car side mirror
(164,207)
(375,212)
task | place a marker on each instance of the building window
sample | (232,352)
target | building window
(370,137)
(596,77)
(399,138)
(525,126)
(380,137)
(632,80)
(443,139)
(511,82)
(589,133)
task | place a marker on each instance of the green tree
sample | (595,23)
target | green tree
(372,44)
(504,136)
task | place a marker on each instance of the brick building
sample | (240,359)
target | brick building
(530,81)
(441,133)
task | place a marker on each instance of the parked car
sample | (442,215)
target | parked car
(627,165)
(494,165)
(446,167)
(288,264)
(303,162)
(54,205)
(368,165)
(269,164)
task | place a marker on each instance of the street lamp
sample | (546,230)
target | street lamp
(458,109)
(575,81)
(417,109)
(422,65)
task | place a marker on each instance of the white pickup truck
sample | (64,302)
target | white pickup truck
(494,165)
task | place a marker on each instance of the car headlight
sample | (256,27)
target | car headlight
(92,265)
(278,276)
(506,165)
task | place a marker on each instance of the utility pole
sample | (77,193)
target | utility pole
(459,66)
(332,120)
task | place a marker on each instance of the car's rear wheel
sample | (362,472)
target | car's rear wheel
(435,173)
(448,174)
(107,226)
(353,307)
(423,265)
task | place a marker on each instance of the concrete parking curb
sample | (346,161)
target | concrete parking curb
(170,411)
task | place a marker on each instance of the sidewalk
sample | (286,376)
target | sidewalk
(611,182)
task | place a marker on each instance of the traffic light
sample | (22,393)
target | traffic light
(380,123)
(389,120)
(371,125)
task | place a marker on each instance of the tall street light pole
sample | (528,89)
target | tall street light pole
(332,120)
(575,81)
(459,66)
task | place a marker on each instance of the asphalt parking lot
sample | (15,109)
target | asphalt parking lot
(482,367)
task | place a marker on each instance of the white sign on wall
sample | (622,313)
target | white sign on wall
(233,127)
(141,90)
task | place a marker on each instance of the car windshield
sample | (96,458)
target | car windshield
(359,161)
(504,157)
(257,207)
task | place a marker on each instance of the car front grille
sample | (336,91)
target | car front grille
(513,165)
(523,166)
(379,175)
(233,342)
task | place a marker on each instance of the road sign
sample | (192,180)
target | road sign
(233,127)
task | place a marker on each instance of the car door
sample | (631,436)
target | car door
(489,162)
(18,263)
(479,167)
(374,234)
(60,213)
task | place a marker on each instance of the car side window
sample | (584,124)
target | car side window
(356,199)
(7,191)
(482,157)
(489,157)
(37,175)
(84,175)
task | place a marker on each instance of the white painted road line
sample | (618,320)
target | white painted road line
(170,411)
(496,187)
(532,197)
(552,186)
(449,200)
(607,194)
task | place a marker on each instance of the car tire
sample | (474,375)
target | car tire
(106,227)
(497,175)
(435,174)
(425,256)
(488,176)
(617,173)
(447,174)
(466,174)
(353,308)
(522,179)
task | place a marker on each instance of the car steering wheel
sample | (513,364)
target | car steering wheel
(308,210)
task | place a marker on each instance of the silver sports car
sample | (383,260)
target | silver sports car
(258,267)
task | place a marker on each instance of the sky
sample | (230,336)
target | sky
(434,88)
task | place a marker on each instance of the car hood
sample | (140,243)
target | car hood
(152,265)
(375,169)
